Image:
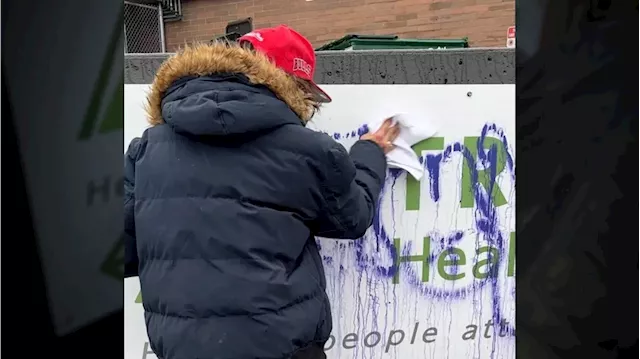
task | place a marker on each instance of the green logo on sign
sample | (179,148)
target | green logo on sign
(112,119)
(113,265)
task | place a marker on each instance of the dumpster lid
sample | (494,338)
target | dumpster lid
(385,41)
(345,41)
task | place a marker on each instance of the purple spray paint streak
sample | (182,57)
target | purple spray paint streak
(350,134)
(363,261)
(486,222)
(432,165)
(486,216)
(485,219)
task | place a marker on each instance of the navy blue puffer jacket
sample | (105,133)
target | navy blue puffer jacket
(224,195)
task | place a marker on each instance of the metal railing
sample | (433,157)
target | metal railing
(143,28)
(171,9)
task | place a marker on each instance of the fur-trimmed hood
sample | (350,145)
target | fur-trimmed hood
(221,58)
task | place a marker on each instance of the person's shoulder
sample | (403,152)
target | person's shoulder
(134,147)
(137,145)
(324,140)
(157,130)
(315,144)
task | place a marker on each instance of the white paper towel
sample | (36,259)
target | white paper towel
(413,129)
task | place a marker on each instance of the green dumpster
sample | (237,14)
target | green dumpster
(390,42)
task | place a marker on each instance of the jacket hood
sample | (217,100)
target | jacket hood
(208,82)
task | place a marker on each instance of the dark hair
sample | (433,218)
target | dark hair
(246,45)
(308,90)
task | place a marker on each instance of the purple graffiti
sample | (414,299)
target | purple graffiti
(486,225)
(350,134)
(432,165)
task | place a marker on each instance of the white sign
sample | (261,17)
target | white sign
(435,275)
(511,37)
(73,170)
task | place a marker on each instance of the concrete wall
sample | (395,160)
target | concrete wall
(484,22)
(468,66)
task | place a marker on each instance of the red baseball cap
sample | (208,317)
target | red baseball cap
(290,51)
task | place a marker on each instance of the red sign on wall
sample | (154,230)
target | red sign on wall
(511,37)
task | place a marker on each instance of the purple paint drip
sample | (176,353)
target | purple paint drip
(432,165)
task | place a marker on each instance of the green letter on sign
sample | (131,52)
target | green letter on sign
(493,257)
(423,258)
(511,267)
(412,202)
(445,261)
(471,144)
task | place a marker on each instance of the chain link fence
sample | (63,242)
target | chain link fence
(143,28)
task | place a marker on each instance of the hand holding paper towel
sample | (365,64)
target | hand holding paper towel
(412,131)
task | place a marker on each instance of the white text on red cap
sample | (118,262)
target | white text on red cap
(301,65)
(255,35)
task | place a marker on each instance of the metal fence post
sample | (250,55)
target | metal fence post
(126,50)
(161,26)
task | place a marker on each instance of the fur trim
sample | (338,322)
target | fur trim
(209,59)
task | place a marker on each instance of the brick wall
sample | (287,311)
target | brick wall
(484,22)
